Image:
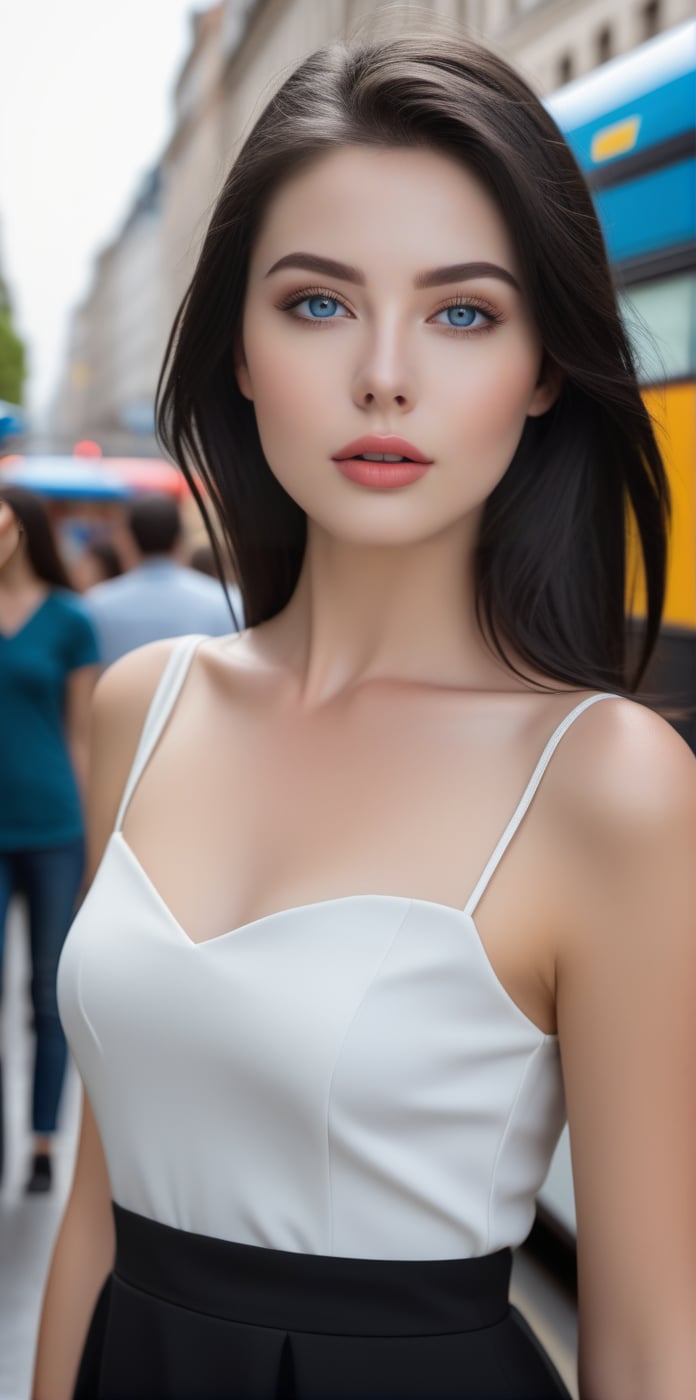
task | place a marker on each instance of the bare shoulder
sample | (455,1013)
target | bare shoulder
(622,809)
(124,690)
(622,772)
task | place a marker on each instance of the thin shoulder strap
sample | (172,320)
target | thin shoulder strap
(528,794)
(161,706)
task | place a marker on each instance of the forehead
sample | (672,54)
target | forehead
(370,205)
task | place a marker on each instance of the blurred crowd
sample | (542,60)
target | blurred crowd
(64,616)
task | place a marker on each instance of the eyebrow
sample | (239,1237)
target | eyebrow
(434,277)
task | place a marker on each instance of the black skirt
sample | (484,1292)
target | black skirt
(189,1317)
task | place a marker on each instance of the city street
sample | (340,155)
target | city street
(498,200)
(28,1224)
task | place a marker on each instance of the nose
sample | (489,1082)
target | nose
(383,378)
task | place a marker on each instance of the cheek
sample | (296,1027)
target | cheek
(487,396)
(292,392)
(484,398)
(500,373)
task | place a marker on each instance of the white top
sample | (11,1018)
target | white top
(347,1077)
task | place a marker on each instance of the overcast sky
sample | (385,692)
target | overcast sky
(85,109)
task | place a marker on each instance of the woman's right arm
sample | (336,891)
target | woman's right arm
(83,1253)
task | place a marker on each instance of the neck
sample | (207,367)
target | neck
(363,613)
(17,575)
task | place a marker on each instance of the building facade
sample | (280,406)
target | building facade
(241,50)
(117,338)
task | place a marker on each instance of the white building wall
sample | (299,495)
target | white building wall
(100,349)
(67,413)
(532,34)
(536,36)
(242,52)
(194,163)
(138,323)
(116,341)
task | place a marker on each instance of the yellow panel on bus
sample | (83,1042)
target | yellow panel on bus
(673,411)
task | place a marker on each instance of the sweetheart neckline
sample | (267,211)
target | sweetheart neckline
(230,934)
(277,913)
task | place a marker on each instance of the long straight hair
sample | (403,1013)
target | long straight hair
(42,549)
(551,560)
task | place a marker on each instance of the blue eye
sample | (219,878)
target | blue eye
(324,306)
(321,308)
(462,316)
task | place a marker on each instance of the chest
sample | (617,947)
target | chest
(402,795)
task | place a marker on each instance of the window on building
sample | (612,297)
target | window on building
(565,68)
(604,45)
(651,18)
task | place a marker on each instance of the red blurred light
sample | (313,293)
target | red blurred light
(86,448)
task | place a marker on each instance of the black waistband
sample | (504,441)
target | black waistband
(310,1292)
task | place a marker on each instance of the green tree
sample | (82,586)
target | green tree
(13,366)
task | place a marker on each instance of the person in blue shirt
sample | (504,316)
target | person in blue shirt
(159,597)
(48,667)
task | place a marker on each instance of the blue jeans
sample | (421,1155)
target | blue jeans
(49,878)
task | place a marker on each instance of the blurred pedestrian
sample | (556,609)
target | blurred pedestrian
(48,656)
(99,561)
(160,597)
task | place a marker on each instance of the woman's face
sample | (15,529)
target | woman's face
(451,361)
(10,533)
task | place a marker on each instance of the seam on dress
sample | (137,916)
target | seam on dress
(80,997)
(503,1137)
(339,1052)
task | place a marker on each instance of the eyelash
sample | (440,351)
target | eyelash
(296,298)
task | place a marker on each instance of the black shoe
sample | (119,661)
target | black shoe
(41,1175)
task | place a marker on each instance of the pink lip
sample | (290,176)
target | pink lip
(381,474)
(395,446)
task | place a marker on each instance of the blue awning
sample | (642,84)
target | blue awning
(64,477)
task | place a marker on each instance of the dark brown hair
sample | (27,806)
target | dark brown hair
(42,549)
(551,572)
(154,521)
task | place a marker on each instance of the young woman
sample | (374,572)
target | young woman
(385,883)
(48,656)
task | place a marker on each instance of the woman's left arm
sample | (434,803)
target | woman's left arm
(78,696)
(626,1005)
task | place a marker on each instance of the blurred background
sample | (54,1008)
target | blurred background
(118,122)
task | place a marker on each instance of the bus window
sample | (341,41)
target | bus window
(660,320)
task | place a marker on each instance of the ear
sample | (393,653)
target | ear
(241,371)
(548,387)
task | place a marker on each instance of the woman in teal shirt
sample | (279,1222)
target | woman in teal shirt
(48,666)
